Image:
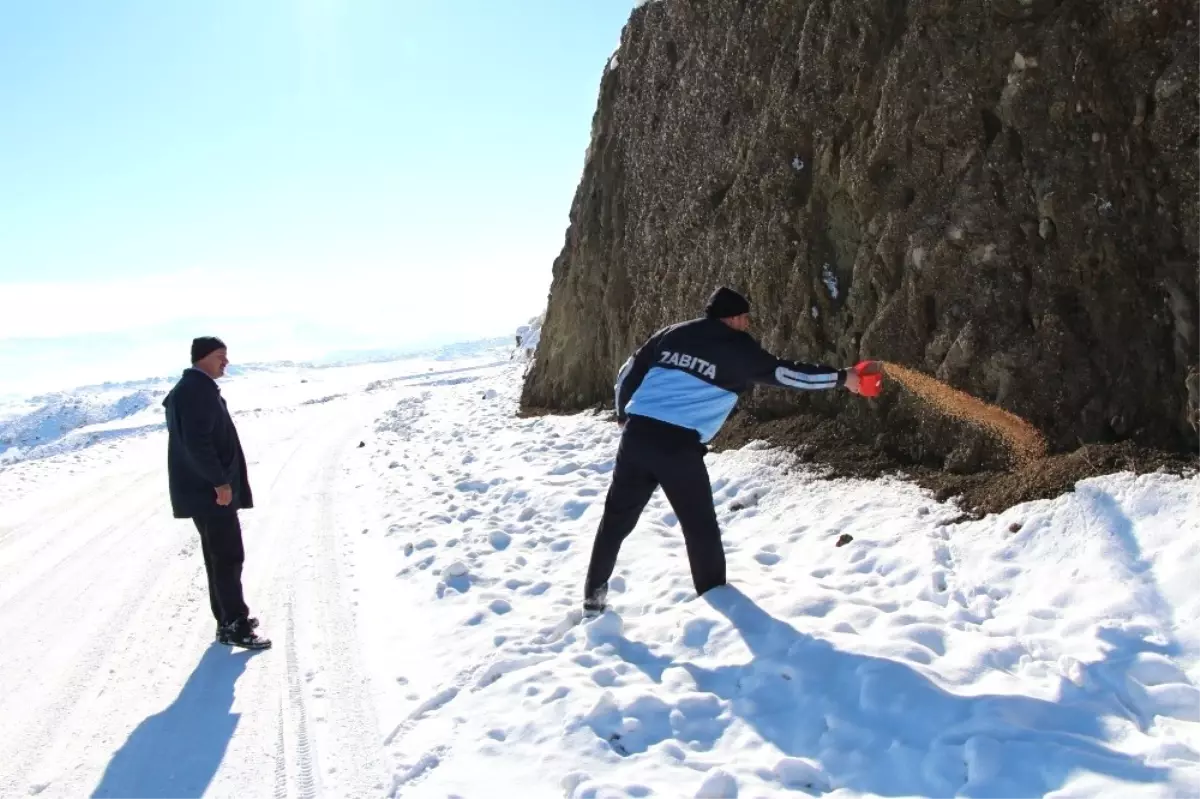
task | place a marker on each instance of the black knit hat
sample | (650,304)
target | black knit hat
(204,346)
(726,302)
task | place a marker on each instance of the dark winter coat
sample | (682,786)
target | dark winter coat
(203,449)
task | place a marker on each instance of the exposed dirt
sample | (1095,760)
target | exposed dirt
(836,449)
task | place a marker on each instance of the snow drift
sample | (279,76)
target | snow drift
(43,422)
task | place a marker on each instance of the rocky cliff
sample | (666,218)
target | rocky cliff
(1000,193)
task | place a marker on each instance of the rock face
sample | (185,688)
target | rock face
(1000,193)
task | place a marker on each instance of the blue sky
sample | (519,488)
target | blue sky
(298,173)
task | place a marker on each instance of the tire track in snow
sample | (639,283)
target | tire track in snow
(298,715)
(345,698)
(329,723)
(294,769)
(281,780)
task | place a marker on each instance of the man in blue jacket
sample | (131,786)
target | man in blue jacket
(209,484)
(672,397)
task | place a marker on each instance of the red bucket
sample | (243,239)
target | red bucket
(870,378)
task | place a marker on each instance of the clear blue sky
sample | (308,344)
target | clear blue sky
(373,170)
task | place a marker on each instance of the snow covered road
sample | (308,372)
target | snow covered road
(112,684)
(422,595)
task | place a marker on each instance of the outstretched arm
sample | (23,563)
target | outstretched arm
(769,370)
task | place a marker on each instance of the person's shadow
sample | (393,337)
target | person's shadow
(175,753)
(879,726)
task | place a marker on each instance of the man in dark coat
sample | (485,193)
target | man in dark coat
(208,479)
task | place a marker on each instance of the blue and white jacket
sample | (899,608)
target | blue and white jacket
(691,374)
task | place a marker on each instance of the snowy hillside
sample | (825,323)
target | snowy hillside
(67,420)
(64,421)
(418,552)
(528,337)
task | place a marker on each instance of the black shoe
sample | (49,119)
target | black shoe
(595,604)
(241,633)
(253,622)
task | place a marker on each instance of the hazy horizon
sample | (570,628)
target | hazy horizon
(68,362)
(296,176)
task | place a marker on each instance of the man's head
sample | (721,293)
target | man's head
(730,307)
(208,355)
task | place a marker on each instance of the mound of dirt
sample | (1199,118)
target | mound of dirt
(836,449)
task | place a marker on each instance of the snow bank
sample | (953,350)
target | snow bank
(66,421)
(528,337)
(38,424)
(1048,650)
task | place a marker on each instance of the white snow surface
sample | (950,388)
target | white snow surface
(422,592)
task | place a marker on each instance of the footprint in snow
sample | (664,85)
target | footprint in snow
(604,677)
(575,509)
(926,635)
(455,578)
(696,632)
(800,774)
(558,693)
(420,565)
(719,784)
(767,558)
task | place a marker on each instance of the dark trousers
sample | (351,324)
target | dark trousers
(221,539)
(647,459)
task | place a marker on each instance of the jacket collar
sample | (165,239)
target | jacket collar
(199,372)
